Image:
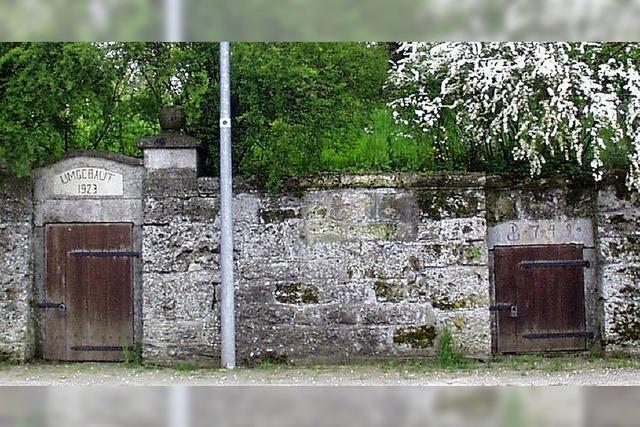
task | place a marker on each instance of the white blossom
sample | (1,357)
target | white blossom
(537,99)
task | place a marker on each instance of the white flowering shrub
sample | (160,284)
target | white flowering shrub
(546,106)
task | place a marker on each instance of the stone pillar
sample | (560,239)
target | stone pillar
(172,151)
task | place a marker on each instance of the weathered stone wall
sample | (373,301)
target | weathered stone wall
(180,271)
(16,268)
(339,269)
(619,261)
(513,199)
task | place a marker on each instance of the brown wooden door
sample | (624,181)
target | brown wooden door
(89,270)
(546,286)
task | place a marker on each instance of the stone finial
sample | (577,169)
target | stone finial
(172,119)
(172,122)
(172,149)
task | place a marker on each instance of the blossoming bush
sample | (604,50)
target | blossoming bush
(544,106)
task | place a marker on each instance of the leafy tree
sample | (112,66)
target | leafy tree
(290,101)
(58,97)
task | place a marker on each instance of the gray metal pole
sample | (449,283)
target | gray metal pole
(173,20)
(227,309)
(179,406)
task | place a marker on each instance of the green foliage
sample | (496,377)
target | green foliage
(185,367)
(381,146)
(290,101)
(293,101)
(59,97)
(449,356)
(132,356)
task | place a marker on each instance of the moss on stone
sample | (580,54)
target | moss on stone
(388,292)
(631,246)
(416,337)
(382,231)
(626,322)
(278,215)
(500,207)
(445,303)
(296,293)
(414,263)
(432,203)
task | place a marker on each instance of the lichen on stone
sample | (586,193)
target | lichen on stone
(296,293)
(416,336)
(387,291)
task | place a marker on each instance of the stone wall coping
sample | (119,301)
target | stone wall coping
(360,181)
(169,139)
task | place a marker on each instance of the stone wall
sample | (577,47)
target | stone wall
(16,268)
(338,269)
(619,261)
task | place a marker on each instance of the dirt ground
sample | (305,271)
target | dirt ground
(528,371)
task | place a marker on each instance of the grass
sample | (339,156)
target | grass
(185,367)
(382,148)
(132,356)
(449,356)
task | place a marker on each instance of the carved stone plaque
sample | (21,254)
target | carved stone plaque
(88,182)
(542,232)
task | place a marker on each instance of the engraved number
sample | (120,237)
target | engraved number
(89,189)
(514,235)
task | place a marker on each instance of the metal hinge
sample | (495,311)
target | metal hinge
(104,254)
(559,335)
(512,308)
(58,305)
(555,264)
(99,348)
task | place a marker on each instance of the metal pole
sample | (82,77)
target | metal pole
(179,406)
(173,20)
(227,309)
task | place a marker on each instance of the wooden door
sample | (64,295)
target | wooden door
(89,292)
(540,298)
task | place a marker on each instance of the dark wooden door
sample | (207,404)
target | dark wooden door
(539,298)
(88,270)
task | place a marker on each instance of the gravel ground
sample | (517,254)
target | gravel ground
(115,374)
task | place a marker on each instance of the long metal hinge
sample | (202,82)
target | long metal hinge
(512,308)
(58,305)
(558,335)
(574,263)
(99,348)
(104,254)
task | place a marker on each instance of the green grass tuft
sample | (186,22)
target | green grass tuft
(449,355)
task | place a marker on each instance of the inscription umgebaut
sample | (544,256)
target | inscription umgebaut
(88,182)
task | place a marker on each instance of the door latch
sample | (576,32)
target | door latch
(60,306)
(511,308)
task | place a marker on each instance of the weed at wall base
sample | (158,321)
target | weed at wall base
(448,353)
